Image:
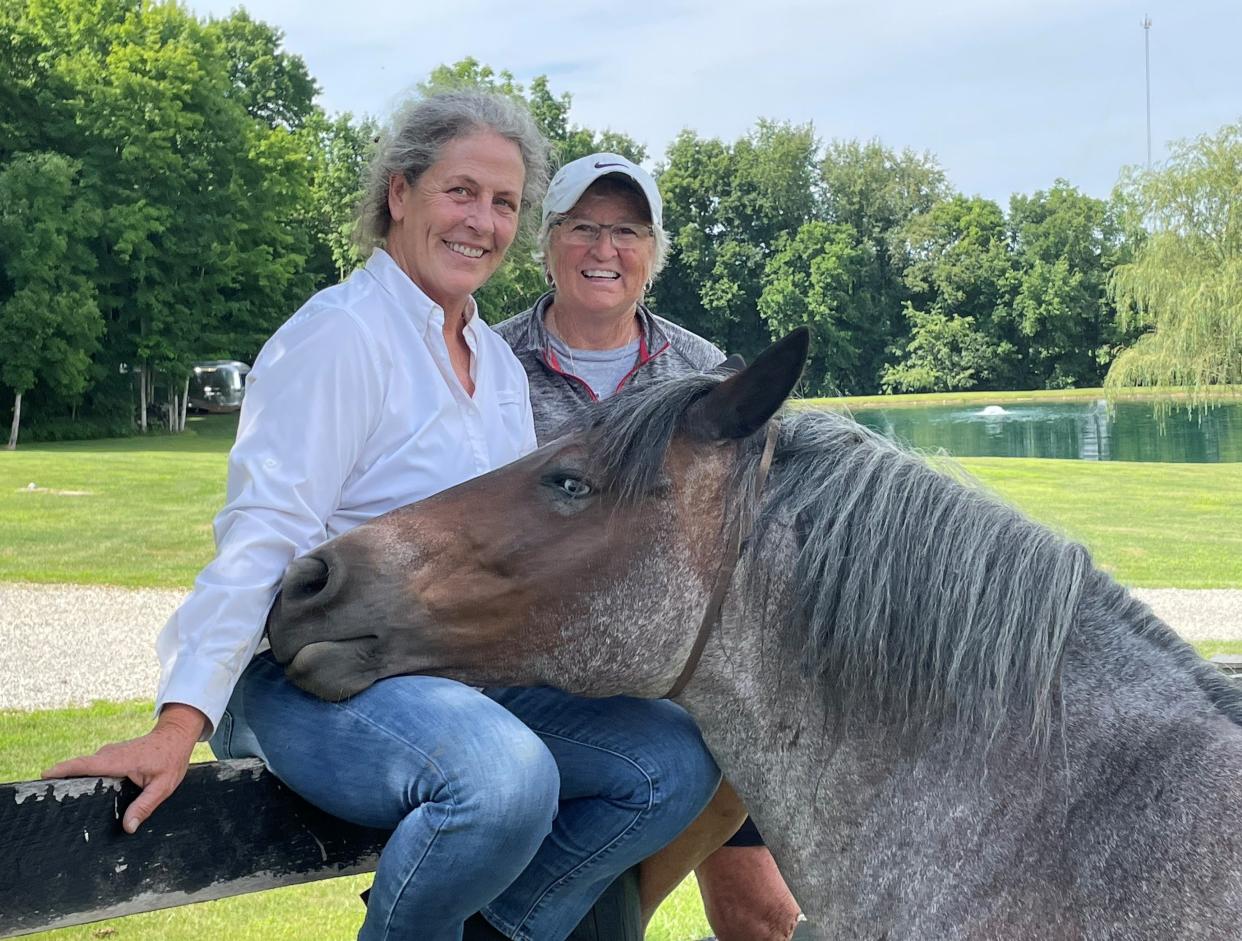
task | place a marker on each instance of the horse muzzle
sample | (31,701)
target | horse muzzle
(323,626)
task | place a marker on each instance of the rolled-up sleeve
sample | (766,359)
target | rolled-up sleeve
(312,400)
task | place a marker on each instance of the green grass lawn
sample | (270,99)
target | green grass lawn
(129,511)
(137,511)
(1150,525)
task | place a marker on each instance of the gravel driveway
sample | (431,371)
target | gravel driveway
(64,645)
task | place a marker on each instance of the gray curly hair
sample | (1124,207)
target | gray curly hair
(418,133)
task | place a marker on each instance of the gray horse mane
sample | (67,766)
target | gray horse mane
(919,598)
(925,598)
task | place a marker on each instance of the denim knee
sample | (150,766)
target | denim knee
(680,757)
(512,786)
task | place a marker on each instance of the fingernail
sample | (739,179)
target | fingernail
(130,824)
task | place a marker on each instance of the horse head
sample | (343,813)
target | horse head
(511,578)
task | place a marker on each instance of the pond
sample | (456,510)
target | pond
(1083,429)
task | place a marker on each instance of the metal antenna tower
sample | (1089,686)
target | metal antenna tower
(1147,71)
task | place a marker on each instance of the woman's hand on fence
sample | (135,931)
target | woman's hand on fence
(156,762)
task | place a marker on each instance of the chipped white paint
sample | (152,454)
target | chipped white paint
(60,788)
(318,842)
(236,769)
(120,867)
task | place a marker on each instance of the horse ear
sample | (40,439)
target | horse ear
(740,405)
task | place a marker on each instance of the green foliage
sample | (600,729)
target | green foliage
(1183,289)
(1008,302)
(341,150)
(727,207)
(194,226)
(813,279)
(49,316)
(271,85)
(70,428)
(1065,243)
(875,190)
(960,276)
(945,353)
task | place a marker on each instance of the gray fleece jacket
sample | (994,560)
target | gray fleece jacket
(665,351)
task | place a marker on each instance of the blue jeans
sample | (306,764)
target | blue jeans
(523,804)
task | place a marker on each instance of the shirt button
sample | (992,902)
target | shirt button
(271,463)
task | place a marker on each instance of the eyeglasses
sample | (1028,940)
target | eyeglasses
(586,232)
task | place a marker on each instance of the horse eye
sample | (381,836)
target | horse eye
(576,488)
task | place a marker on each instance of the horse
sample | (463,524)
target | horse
(946,722)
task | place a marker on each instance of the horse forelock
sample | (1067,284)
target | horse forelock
(629,434)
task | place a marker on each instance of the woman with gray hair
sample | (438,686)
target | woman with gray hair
(511,810)
(602,243)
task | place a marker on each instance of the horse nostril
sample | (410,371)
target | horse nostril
(305,579)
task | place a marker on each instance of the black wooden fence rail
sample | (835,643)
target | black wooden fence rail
(230,828)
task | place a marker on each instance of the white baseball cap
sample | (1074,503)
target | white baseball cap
(572,180)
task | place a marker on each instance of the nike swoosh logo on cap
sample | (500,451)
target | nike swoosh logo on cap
(600,166)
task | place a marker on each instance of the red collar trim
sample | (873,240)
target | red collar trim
(549,357)
(644,357)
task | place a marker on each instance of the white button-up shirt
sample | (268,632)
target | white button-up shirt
(352,409)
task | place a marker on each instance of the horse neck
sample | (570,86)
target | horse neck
(842,802)
(770,755)
(1125,675)
(1128,680)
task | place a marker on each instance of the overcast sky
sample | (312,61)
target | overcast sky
(1008,94)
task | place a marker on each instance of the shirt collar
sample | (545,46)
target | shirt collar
(425,312)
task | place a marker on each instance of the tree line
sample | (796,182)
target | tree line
(170,191)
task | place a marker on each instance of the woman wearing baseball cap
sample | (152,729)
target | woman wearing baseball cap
(602,243)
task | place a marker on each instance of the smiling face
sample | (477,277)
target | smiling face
(452,226)
(599,281)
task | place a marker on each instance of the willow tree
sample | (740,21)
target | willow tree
(1184,285)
